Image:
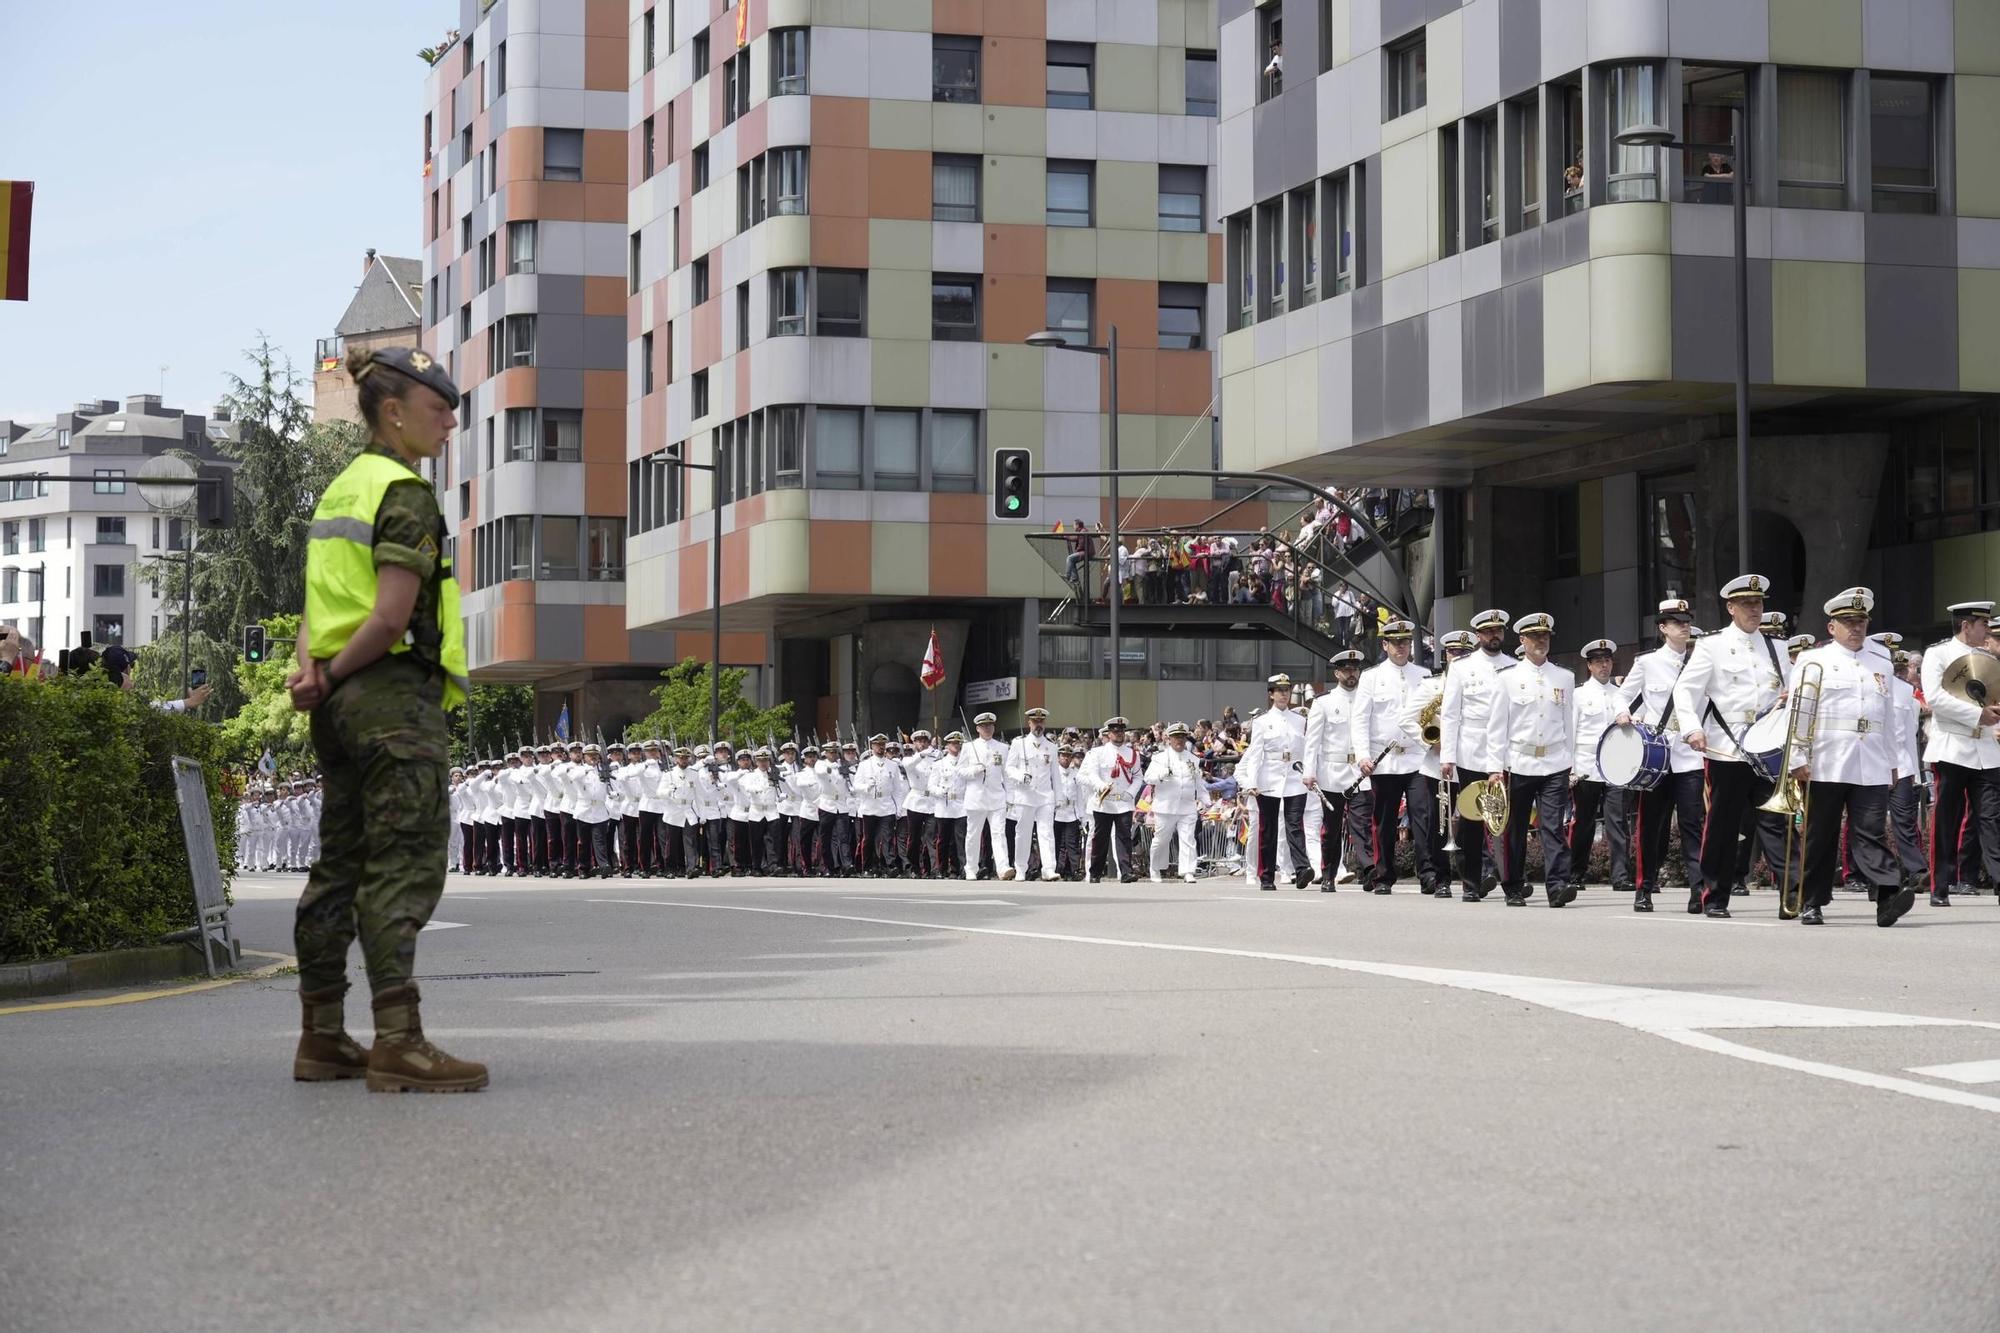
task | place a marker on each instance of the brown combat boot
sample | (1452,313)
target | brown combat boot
(325,1051)
(404,1061)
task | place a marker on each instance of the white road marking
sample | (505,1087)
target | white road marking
(1687,919)
(1971,1071)
(1673,1015)
(444,925)
(947,902)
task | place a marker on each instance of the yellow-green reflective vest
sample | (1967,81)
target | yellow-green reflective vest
(340,571)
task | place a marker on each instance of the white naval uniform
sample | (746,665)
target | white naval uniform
(1597,705)
(1276,742)
(1736,672)
(1030,769)
(1465,714)
(982,762)
(1178,794)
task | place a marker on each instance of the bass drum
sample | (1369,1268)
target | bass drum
(1764,743)
(1634,756)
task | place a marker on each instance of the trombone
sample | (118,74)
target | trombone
(1790,798)
(1446,809)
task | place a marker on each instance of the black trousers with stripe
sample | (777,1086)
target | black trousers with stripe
(1735,790)
(1677,798)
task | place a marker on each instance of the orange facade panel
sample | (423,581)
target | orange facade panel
(839,242)
(1015,72)
(899,184)
(604,637)
(1015,308)
(604,296)
(843,557)
(514,628)
(837,122)
(1017,248)
(839,182)
(958,558)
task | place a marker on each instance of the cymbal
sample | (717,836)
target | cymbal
(1975,676)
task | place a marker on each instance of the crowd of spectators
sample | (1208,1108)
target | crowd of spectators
(1287,570)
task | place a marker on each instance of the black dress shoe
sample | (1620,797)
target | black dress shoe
(1442,892)
(1268,888)
(1302,878)
(1488,884)
(1622,888)
(1427,888)
(1901,901)
(1516,899)
(1940,899)
(1811,917)
(1694,903)
(1570,890)
(1380,888)
(1326,886)
(1642,902)
(1717,912)
(1739,891)
(1555,894)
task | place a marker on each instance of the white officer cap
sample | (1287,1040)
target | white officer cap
(1772,620)
(1348,657)
(1798,643)
(1459,641)
(1492,618)
(1597,646)
(1675,608)
(983,719)
(1536,622)
(1746,585)
(1042,713)
(954,738)
(1281,681)
(1398,630)
(1851,604)
(1177,729)
(1888,638)
(1970,610)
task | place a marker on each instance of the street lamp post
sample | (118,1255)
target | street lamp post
(1051,338)
(1657,136)
(714,469)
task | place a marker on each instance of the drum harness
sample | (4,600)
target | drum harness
(1667,716)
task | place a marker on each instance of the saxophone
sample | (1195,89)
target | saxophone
(1427,720)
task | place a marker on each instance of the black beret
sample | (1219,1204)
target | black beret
(419,365)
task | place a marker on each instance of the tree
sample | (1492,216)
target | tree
(683,709)
(157,673)
(284,461)
(266,719)
(495,718)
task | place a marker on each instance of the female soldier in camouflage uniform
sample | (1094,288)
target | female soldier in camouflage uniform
(381,656)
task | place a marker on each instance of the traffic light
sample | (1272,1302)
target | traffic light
(1013,482)
(253,643)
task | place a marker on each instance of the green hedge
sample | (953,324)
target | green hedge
(91,853)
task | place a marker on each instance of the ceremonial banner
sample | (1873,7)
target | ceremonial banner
(17,200)
(932,671)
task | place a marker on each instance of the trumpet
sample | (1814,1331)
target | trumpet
(1789,797)
(1444,813)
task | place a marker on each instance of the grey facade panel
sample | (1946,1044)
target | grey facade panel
(1371,204)
(1302,20)
(1520,51)
(1521,256)
(1566,241)
(1400,16)
(1225,10)
(1368,386)
(1704,337)
(1406,378)
(1482,319)
(1366,311)
(558,632)
(1440,8)
(1521,342)
(559,342)
(1912,319)
(1911,238)
(559,293)
(1267,146)
(1299,162)
(559,386)
(604,342)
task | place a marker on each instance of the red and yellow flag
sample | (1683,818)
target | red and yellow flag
(17,200)
(742,22)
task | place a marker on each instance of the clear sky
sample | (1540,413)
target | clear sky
(203,170)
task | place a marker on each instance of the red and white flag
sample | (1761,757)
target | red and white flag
(932,671)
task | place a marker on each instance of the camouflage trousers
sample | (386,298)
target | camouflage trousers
(384,825)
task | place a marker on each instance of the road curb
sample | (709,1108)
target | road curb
(182,969)
(98,971)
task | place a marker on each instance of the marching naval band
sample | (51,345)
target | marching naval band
(1805,755)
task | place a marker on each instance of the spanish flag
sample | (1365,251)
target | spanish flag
(17,200)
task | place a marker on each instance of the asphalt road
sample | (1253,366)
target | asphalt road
(886,1105)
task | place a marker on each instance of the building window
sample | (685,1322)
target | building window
(1526,121)
(10,537)
(700,279)
(742,325)
(464,324)
(520,340)
(1198,72)
(104,481)
(489,262)
(955,307)
(1069,311)
(789,49)
(107,580)
(563,435)
(1451,217)
(649,40)
(700,168)
(562,538)
(562,155)
(788,302)
(1069,75)
(606,540)
(1812,139)
(749,194)
(1567,94)
(110,531)
(633,260)
(955,451)
(735,87)
(1404,66)
(520,429)
(517,549)
(1631,174)
(1271,246)
(10,585)
(837,448)
(1069,194)
(107,629)
(838,297)
(698,394)
(1341,211)
(62,438)
(1270,52)
(520,247)
(954,188)
(1305,241)
(788,181)
(1485,131)
(36,528)
(1181,191)
(1242,274)
(700,53)
(1902,133)
(645,363)
(954,69)
(896,449)
(1181,311)
(648,150)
